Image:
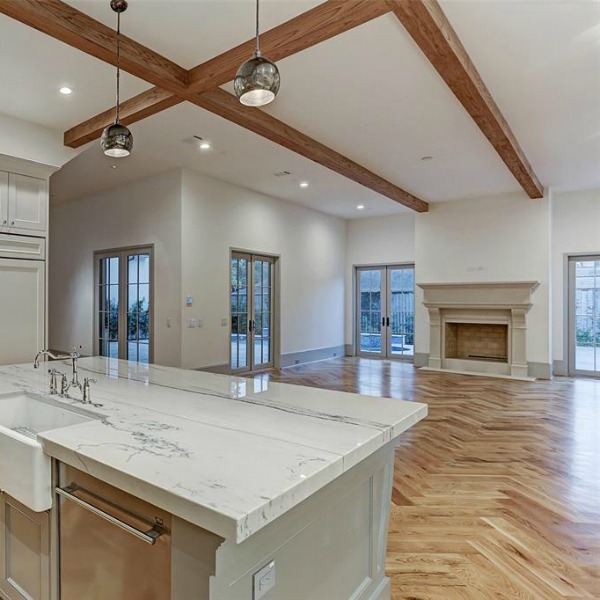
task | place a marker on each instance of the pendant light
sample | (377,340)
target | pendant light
(117,141)
(257,80)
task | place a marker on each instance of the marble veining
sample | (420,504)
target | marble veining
(226,453)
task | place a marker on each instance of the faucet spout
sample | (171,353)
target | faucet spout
(41,353)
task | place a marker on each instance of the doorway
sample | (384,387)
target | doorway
(252,312)
(385,311)
(584,315)
(124,305)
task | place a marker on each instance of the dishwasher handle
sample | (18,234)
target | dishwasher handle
(149,537)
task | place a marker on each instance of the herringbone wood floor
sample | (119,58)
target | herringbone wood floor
(497,493)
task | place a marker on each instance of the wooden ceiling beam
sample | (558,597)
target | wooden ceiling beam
(73,27)
(429,27)
(200,85)
(135,109)
(321,23)
(226,105)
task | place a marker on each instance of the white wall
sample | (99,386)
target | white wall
(144,212)
(33,142)
(375,241)
(217,217)
(194,221)
(575,229)
(505,238)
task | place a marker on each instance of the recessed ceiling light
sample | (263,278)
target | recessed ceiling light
(426,157)
(304,184)
(204,145)
(113,166)
(66,91)
(360,207)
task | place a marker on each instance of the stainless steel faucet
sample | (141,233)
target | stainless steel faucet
(65,385)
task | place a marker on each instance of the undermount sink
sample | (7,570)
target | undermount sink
(25,471)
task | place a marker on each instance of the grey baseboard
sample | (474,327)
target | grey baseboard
(306,356)
(220,369)
(559,368)
(421,359)
(539,370)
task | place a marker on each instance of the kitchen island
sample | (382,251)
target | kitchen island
(263,489)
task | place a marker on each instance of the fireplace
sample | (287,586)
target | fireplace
(476,341)
(479,327)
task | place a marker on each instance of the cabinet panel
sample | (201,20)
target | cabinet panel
(3,198)
(24,551)
(20,246)
(27,202)
(22,307)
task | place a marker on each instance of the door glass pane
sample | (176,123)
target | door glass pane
(587,315)
(239,311)
(108,306)
(262,306)
(138,307)
(370,288)
(401,311)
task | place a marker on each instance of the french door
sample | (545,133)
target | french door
(385,312)
(124,280)
(252,286)
(584,315)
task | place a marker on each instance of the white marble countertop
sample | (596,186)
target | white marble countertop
(228,454)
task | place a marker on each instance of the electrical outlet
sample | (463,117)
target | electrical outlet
(169,322)
(223,322)
(264,580)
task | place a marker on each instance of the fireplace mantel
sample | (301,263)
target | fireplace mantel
(484,295)
(480,302)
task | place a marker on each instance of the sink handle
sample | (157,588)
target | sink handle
(53,382)
(64,385)
(86,389)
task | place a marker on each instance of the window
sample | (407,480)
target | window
(124,304)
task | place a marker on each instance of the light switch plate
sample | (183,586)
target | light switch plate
(264,581)
(191,323)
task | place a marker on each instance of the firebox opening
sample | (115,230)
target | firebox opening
(477,341)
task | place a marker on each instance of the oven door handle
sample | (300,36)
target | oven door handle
(149,537)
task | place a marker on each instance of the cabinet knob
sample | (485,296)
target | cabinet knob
(12,222)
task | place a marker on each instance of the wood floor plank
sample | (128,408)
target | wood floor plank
(497,493)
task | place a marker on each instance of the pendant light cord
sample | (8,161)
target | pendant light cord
(257,51)
(118,64)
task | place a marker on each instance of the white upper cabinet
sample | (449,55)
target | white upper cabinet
(27,203)
(3,199)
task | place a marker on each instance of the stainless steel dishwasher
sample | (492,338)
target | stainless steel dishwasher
(113,546)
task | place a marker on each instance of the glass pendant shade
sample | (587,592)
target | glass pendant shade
(257,81)
(117,141)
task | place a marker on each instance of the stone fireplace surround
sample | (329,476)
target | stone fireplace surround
(494,303)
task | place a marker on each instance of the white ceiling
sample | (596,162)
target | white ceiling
(369,94)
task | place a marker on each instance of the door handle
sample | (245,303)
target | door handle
(150,536)
(250,325)
(387,321)
(383,321)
